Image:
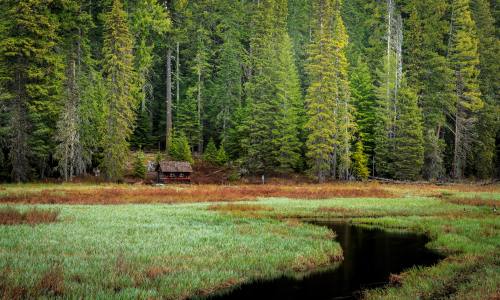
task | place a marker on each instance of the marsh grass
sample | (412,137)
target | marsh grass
(32,216)
(196,249)
(153,251)
(239,207)
(120,194)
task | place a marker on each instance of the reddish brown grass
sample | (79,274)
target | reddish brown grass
(473,201)
(8,290)
(395,279)
(338,210)
(11,216)
(240,207)
(195,193)
(224,285)
(154,272)
(52,282)
(495,296)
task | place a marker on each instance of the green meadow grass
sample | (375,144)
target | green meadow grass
(183,250)
(468,235)
(141,251)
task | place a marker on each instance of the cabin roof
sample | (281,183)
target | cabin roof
(176,166)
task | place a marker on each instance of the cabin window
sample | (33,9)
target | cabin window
(181,175)
(172,175)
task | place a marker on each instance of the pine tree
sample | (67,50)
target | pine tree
(31,76)
(484,149)
(319,99)
(464,59)
(210,154)
(142,137)
(187,117)
(70,150)
(429,74)
(408,141)
(119,74)
(140,165)
(364,100)
(227,91)
(180,149)
(328,104)
(149,23)
(389,83)
(221,158)
(287,146)
(360,161)
(272,94)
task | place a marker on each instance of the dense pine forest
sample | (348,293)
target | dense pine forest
(400,89)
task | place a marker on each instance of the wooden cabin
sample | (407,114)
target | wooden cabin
(174,171)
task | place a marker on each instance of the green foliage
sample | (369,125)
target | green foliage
(485,154)
(273,95)
(140,165)
(210,154)
(464,60)
(142,137)
(429,74)
(329,122)
(360,161)
(31,74)
(179,149)
(281,85)
(408,150)
(364,100)
(221,157)
(120,76)
(386,114)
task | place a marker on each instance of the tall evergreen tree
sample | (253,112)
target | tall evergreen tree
(360,162)
(227,85)
(484,150)
(428,72)
(273,93)
(119,74)
(364,100)
(408,141)
(464,60)
(149,22)
(287,146)
(70,151)
(328,108)
(31,76)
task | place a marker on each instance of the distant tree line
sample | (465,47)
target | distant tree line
(402,89)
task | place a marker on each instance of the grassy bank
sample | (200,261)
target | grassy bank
(142,251)
(469,235)
(174,251)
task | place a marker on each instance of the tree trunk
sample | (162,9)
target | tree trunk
(200,142)
(177,76)
(168,100)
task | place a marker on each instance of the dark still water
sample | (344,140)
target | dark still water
(370,256)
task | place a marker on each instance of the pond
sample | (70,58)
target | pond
(370,256)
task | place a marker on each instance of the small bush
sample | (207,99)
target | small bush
(140,165)
(179,148)
(221,158)
(234,176)
(210,154)
(360,162)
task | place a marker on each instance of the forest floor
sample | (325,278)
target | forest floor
(214,237)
